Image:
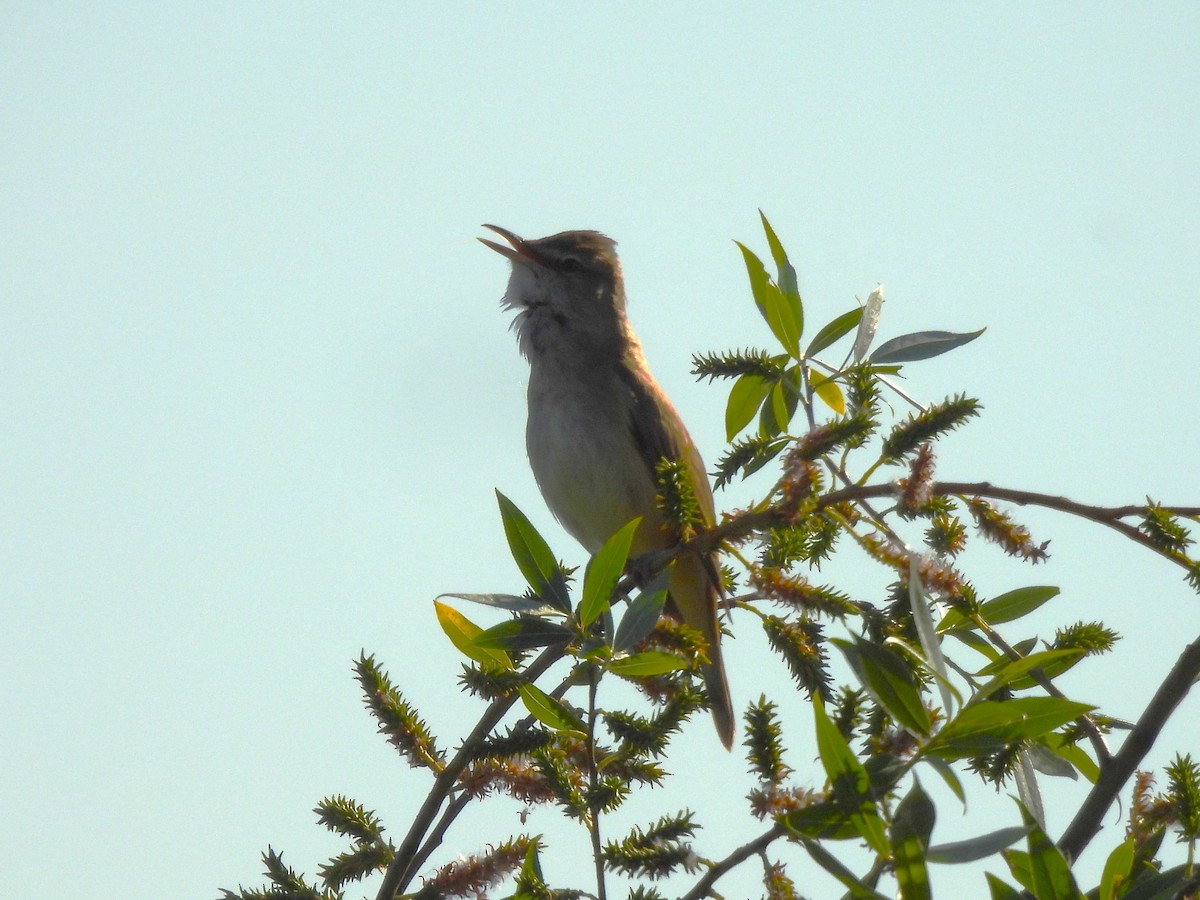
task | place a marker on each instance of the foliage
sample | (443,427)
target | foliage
(928,683)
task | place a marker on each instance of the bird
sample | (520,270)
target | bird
(598,423)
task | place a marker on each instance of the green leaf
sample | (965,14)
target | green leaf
(911,827)
(1118,869)
(757,273)
(834,867)
(642,614)
(463,634)
(780,313)
(1072,753)
(786,281)
(975,848)
(998,890)
(522,634)
(920,345)
(823,821)
(1012,670)
(850,780)
(835,331)
(787,274)
(1048,869)
(1015,604)
(549,711)
(1160,885)
(745,397)
(1046,761)
(781,405)
(976,643)
(987,726)
(890,682)
(642,665)
(603,573)
(944,769)
(533,557)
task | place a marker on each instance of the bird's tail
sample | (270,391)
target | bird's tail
(694,593)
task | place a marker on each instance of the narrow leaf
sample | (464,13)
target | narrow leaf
(921,345)
(787,283)
(849,778)
(522,634)
(640,617)
(911,827)
(834,867)
(757,273)
(868,324)
(891,683)
(835,331)
(1008,672)
(977,847)
(642,665)
(787,274)
(949,776)
(1117,870)
(463,634)
(1072,753)
(510,602)
(1015,604)
(1027,787)
(532,556)
(603,572)
(999,890)
(1049,871)
(780,314)
(550,712)
(927,633)
(988,726)
(828,390)
(1050,763)
(745,398)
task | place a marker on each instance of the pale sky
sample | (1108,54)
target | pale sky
(257,390)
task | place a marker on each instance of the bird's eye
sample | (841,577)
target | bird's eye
(571,264)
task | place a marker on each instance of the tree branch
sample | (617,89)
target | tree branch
(1114,775)
(745,524)
(402,868)
(734,859)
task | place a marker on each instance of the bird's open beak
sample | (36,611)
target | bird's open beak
(518,252)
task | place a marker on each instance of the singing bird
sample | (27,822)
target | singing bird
(599,423)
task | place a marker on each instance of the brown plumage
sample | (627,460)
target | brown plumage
(599,423)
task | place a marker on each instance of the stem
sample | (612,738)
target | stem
(403,867)
(737,857)
(593,804)
(1113,776)
(1109,516)
(1103,754)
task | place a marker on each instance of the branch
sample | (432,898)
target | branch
(745,524)
(402,868)
(1113,776)
(736,858)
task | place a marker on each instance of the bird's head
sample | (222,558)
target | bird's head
(568,293)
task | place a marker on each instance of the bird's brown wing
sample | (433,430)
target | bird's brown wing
(695,583)
(659,433)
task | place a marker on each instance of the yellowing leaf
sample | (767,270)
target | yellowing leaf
(828,390)
(463,634)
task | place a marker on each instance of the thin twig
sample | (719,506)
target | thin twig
(593,803)
(734,859)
